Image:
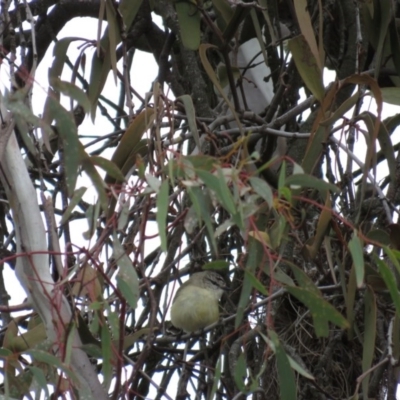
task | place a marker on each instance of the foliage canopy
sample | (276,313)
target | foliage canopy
(242,159)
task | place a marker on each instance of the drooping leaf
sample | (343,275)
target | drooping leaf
(369,335)
(293,363)
(386,15)
(224,9)
(307,65)
(262,189)
(305,180)
(357,253)
(113,36)
(202,206)
(390,281)
(108,166)
(106,350)
(92,213)
(71,145)
(313,246)
(125,154)
(72,91)
(286,377)
(304,280)
(350,296)
(60,53)
(191,117)
(384,139)
(91,171)
(219,186)
(306,28)
(76,198)
(127,278)
(256,283)
(255,256)
(52,360)
(189,23)
(129,10)
(40,379)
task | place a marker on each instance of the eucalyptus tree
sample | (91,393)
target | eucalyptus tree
(260,151)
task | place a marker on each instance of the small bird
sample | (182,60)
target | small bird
(195,305)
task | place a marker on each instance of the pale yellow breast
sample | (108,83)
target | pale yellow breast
(194,309)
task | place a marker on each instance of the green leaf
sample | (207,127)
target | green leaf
(99,73)
(40,379)
(16,104)
(92,350)
(263,190)
(224,9)
(390,281)
(217,378)
(384,139)
(129,10)
(123,217)
(113,36)
(106,350)
(303,279)
(189,23)
(338,113)
(240,373)
(307,65)
(216,265)
(72,91)
(305,180)
(254,259)
(71,145)
(201,206)
(162,212)
(394,256)
(108,166)
(220,188)
(96,179)
(294,364)
(52,361)
(286,377)
(386,145)
(5,352)
(350,295)
(60,55)
(369,335)
(391,95)
(386,15)
(124,156)
(191,117)
(306,28)
(154,183)
(357,253)
(127,279)
(321,311)
(92,214)
(282,176)
(256,283)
